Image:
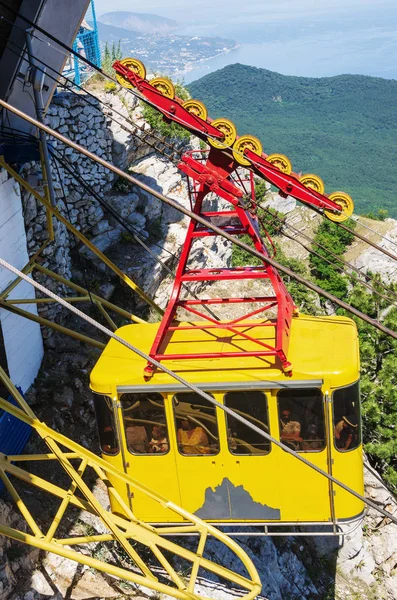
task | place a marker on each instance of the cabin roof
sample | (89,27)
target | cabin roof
(320,348)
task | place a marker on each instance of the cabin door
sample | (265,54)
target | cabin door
(251,467)
(149,454)
(199,460)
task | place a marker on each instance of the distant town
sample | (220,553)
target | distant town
(177,55)
(165,53)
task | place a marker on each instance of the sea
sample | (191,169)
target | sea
(361,41)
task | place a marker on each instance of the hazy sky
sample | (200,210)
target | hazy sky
(302,37)
(276,10)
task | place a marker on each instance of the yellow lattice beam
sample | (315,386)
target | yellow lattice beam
(55,212)
(123,530)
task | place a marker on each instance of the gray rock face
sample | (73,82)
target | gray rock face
(366,562)
(374,261)
(70,115)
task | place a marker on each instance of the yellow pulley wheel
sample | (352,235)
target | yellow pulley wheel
(135,65)
(246,141)
(345,202)
(197,108)
(229,131)
(163,85)
(314,182)
(280,161)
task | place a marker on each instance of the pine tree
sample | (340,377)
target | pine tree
(378,378)
(107,60)
(119,52)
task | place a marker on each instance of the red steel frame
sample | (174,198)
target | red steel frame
(214,172)
(173,110)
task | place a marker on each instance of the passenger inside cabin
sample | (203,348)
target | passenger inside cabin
(137,439)
(159,442)
(192,440)
(301,418)
(346,433)
(290,429)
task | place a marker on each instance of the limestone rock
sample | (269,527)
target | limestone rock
(102,241)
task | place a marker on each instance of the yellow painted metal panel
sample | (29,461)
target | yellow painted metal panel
(157,469)
(320,347)
(273,487)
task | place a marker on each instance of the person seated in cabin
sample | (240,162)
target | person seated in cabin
(137,439)
(290,430)
(232,440)
(159,442)
(192,440)
(313,438)
(346,432)
(108,440)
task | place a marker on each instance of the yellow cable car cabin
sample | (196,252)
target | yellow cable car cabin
(190,451)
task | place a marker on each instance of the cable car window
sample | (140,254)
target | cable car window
(347,422)
(108,441)
(301,419)
(196,425)
(253,407)
(145,423)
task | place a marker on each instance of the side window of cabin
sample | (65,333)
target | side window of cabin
(106,424)
(347,422)
(145,423)
(301,419)
(196,425)
(253,407)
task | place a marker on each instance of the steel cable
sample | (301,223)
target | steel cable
(348,229)
(198,391)
(126,225)
(201,220)
(144,99)
(69,87)
(347,264)
(356,218)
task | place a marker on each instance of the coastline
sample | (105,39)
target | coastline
(191,66)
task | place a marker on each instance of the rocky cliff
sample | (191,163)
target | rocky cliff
(363,563)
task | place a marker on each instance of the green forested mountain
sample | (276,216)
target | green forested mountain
(343,128)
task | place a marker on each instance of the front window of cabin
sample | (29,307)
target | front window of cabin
(145,424)
(253,407)
(301,419)
(347,422)
(196,425)
(106,424)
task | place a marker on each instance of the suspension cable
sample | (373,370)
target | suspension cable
(198,391)
(144,99)
(356,218)
(108,207)
(176,151)
(133,91)
(199,219)
(102,201)
(69,87)
(335,256)
(127,226)
(367,241)
(351,231)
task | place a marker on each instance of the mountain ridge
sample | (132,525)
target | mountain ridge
(343,128)
(139,22)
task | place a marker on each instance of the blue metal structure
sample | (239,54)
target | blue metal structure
(86,44)
(14,434)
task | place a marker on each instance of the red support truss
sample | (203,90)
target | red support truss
(217,172)
(214,172)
